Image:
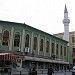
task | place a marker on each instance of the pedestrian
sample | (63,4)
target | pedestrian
(29,71)
(34,72)
(50,70)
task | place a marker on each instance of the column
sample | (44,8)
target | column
(32,42)
(43,65)
(0,36)
(23,42)
(63,51)
(59,50)
(63,67)
(55,50)
(11,39)
(37,65)
(67,53)
(59,67)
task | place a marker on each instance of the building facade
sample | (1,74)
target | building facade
(35,47)
(71,43)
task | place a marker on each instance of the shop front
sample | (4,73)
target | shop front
(7,61)
(42,63)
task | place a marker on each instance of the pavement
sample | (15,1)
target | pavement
(63,73)
(58,73)
(55,73)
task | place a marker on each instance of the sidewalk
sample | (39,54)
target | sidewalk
(58,73)
(63,73)
(45,73)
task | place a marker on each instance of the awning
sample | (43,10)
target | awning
(44,60)
(9,57)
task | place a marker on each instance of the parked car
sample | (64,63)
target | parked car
(73,70)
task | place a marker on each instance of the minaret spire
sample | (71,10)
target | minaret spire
(66,22)
(65,10)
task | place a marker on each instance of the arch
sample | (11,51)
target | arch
(17,39)
(5,38)
(64,51)
(41,45)
(52,48)
(61,50)
(47,46)
(27,41)
(35,43)
(56,49)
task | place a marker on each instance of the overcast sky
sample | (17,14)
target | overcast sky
(46,15)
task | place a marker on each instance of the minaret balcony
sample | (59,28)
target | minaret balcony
(66,21)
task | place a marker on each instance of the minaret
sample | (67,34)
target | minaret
(66,22)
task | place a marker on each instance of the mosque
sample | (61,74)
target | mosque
(34,47)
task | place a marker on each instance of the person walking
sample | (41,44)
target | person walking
(29,71)
(50,70)
(34,72)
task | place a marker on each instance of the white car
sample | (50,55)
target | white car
(73,70)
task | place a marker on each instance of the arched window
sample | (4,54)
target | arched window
(52,48)
(17,39)
(56,49)
(61,50)
(64,51)
(5,38)
(27,41)
(41,45)
(35,43)
(47,46)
